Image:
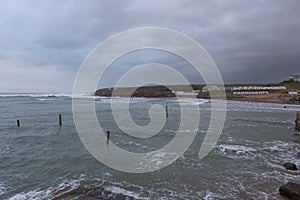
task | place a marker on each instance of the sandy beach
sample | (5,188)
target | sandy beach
(281,98)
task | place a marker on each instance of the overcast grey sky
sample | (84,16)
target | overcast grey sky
(44,42)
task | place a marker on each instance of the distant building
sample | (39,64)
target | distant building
(209,88)
(293,93)
(294,78)
(255,88)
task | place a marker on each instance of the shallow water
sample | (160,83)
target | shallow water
(41,160)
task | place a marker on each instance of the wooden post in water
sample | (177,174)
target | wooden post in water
(167,114)
(59,119)
(18,123)
(297,121)
(107,137)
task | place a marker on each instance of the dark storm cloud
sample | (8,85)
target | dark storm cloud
(251,41)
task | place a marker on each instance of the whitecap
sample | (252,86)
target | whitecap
(49,193)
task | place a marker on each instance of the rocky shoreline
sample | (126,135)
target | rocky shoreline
(291,190)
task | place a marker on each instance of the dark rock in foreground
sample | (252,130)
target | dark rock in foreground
(290,190)
(96,193)
(290,166)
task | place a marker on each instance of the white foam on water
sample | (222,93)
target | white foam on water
(192,101)
(3,188)
(36,95)
(276,151)
(44,96)
(153,159)
(143,100)
(119,190)
(208,196)
(281,152)
(123,188)
(41,99)
(183,131)
(238,149)
(67,185)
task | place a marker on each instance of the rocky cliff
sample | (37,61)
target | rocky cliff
(145,91)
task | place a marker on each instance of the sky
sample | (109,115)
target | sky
(43,43)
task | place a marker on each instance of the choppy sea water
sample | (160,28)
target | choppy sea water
(40,160)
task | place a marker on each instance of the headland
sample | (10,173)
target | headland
(285,92)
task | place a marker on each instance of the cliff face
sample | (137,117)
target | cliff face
(106,92)
(146,91)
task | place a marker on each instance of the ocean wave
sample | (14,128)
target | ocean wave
(43,99)
(83,187)
(236,151)
(3,188)
(66,186)
(184,131)
(119,190)
(184,102)
(36,95)
(190,101)
(276,151)
(154,160)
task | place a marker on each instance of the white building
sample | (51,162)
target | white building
(294,78)
(186,94)
(208,88)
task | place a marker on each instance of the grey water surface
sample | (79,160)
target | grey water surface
(41,160)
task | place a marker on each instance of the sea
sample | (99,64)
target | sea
(42,160)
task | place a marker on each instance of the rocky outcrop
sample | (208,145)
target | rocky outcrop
(146,91)
(106,92)
(297,121)
(290,190)
(290,166)
(94,193)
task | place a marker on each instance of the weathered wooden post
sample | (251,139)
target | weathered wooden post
(297,121)
(18,123)
(59,119)
(167,114)
(107,137)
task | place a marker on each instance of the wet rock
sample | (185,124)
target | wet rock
(290,190)
(94,193)
(290,166)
